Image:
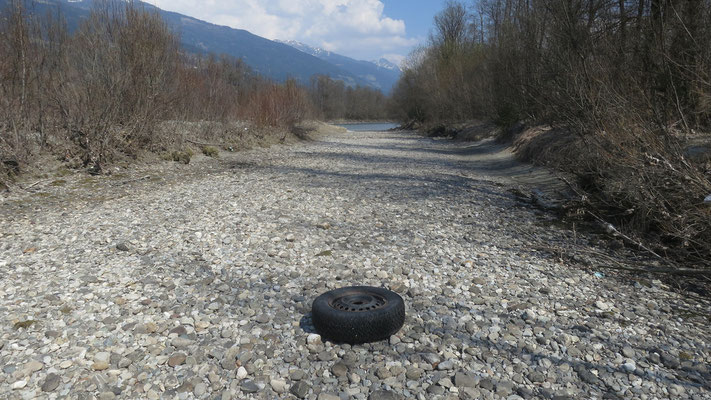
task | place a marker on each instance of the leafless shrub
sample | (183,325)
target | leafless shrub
(278,105)
(333,100)
(101,91)
(627,82)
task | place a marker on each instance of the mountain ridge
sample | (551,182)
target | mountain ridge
(269,58)
(382,73)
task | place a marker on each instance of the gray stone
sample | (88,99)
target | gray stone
(445,365)
(435,390)
(384,395)
(296,375)
(300,389)
(339,369)
(413,374)
(383,373)
(536,377)
(487,384)
(249,387)
(200,389)
(51,382)
(176,359)
(462,379)
(628,352)
(278,385)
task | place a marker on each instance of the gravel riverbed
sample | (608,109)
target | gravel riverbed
(196,282)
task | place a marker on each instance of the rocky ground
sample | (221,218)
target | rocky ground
(195,281)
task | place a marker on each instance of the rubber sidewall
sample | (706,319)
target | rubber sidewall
(358,327)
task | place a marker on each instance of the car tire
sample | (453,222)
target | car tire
(358,314)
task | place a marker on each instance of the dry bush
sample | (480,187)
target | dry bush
(621,83)
(333,100)
(278,105)
(102,91)
(118,69)
(28,62)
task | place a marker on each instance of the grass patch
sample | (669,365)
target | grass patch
(178,156)
(210,151)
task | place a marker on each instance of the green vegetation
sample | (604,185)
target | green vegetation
(210,151)
(183,156)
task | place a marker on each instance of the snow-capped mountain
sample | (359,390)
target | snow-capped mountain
(381,74)
(387,64)
(314,51)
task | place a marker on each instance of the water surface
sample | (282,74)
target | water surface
(370,126)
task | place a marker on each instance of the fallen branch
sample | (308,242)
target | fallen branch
(33,185)
(614,264)
(611,228)
(668,271)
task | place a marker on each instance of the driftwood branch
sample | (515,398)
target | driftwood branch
(668,271)
(33,185)
(611,263)
(611,228)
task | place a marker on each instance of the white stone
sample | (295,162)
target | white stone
(19,384)
(241,373)
(278,385)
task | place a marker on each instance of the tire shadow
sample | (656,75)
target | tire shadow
(306,325)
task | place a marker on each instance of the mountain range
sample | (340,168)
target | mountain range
(381,74)
(273,59)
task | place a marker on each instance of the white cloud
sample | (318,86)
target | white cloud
(356,28)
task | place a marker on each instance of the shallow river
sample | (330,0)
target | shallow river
(369,126)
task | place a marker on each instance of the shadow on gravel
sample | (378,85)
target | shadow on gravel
(305,323)
(486,156)
(685,375)
(406,186)
(493,166)
(443,147)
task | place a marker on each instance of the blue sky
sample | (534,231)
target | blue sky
(362,29)
(417,14)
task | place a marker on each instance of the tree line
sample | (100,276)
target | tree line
(334,100)
(577,61)
(103,88)
(627,81)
